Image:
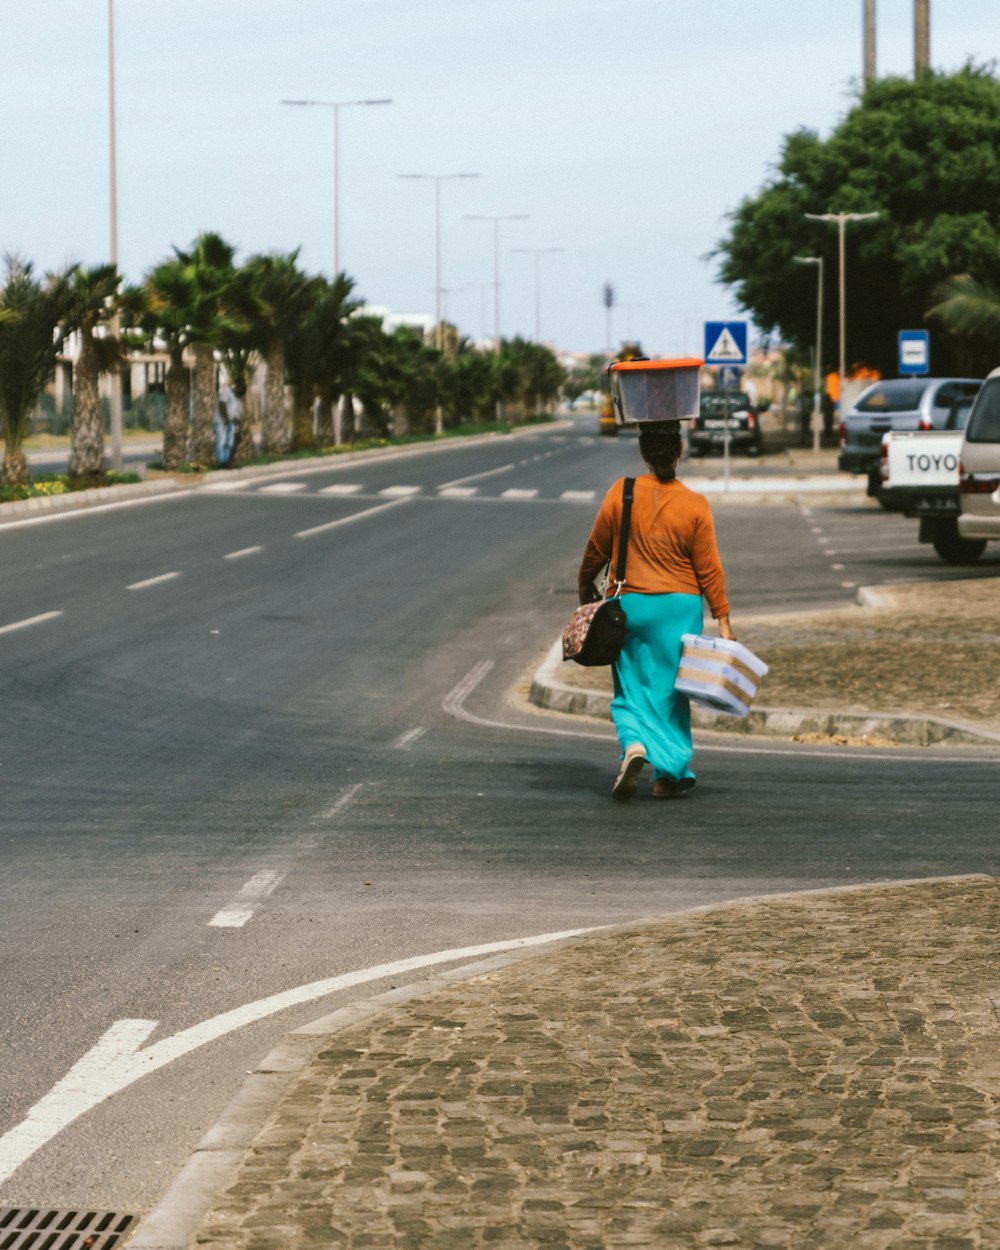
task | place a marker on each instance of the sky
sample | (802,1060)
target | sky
(625,131)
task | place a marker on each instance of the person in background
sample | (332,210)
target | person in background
(672,568)
(226,423)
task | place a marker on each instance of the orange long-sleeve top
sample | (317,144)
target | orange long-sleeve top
(671,544)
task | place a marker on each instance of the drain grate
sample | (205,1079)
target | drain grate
(28,1228)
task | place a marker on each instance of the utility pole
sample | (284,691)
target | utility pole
(115,377)
(921,35)
(870,67)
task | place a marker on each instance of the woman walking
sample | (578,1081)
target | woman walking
(672,565)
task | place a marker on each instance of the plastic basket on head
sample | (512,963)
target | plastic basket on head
(655,390)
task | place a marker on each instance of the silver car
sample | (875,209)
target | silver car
(896,404)
(979,468)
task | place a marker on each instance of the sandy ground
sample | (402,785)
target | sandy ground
(932,650)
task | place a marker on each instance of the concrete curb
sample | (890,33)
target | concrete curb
(79,499)
(548,691)
(174,1221)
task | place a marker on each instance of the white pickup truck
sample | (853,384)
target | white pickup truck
(919,477)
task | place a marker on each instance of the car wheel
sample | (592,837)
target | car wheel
(953,548)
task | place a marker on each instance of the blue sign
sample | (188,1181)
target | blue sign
(914,352)
(725,342)
(729,377)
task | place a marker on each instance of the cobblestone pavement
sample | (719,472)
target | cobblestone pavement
(811,1071)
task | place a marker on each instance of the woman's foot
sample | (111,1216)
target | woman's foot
(628,776)
(667,788)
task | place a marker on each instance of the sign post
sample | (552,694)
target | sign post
(726,349)
(914,353)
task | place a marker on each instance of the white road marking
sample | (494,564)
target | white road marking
(238,912)
(474,477)
(514,493)
(578,496)
(282,488)
(153,581)
(243,551)
(28,622)
(76,513)
(867,551)
(230,484)
(849,585)
(344,799)
(837,568)
(400,492)
(347,520)
(116,1061)
(341,488)
(458,492)
(407,739)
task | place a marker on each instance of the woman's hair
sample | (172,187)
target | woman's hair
(660,447)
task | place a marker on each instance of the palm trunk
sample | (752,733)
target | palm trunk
(203,401)
(175,430)
(274,426)
(86,457)
(303,436)
(245,448)
(14,469)
(325,436)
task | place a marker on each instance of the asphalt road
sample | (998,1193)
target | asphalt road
(271,735)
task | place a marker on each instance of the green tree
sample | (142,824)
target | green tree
(923,153)
(317,352)
(969,314)
(30,312)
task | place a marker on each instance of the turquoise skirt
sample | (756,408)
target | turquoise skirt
(646,708)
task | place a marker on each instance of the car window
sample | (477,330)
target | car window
(719,405)
(901,396)
(958,413)
(984,422)
(953,392)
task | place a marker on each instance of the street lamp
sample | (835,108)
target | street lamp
(842,219)
(437,179)
(538,253)
(817,415)
(115,376)
(336,105)
(496,219)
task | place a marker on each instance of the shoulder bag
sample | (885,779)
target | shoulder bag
(596,631)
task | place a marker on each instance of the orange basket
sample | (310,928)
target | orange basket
(655,390)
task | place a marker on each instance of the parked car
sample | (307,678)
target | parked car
(919,477)
(895,404)
(979,468)
(716,411)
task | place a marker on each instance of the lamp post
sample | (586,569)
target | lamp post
(336,105)
(115,376)
(817,414)
(437,179)
(496,219)
(538,253)
(841,220)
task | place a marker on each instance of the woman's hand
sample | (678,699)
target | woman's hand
(726,630)
(589,594)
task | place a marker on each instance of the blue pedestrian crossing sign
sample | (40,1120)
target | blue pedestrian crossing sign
(725,342)
(914,353)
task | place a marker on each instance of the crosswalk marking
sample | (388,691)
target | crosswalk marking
(458,492)
(400,492)
(513,493)
(283,488)
(341,488)
(578,496)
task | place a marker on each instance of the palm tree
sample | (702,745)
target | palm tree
(282,295)
(92,297)
(969,312)
(317,357)
(29,316)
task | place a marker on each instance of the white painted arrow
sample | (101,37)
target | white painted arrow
(117,1062)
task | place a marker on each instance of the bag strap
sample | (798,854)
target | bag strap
(628,491)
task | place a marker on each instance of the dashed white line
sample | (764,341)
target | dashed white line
(406,740)
(153,581)
(458,492)
(474,477)
(282,488)
(238,912)
(28,622)
(341,488)
(578,496)
(400,492)
(243,551)
(344,799)
(347,520)
(514,493)
(837,568)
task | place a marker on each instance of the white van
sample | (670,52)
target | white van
(979,467)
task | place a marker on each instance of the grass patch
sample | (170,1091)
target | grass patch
(47,484)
